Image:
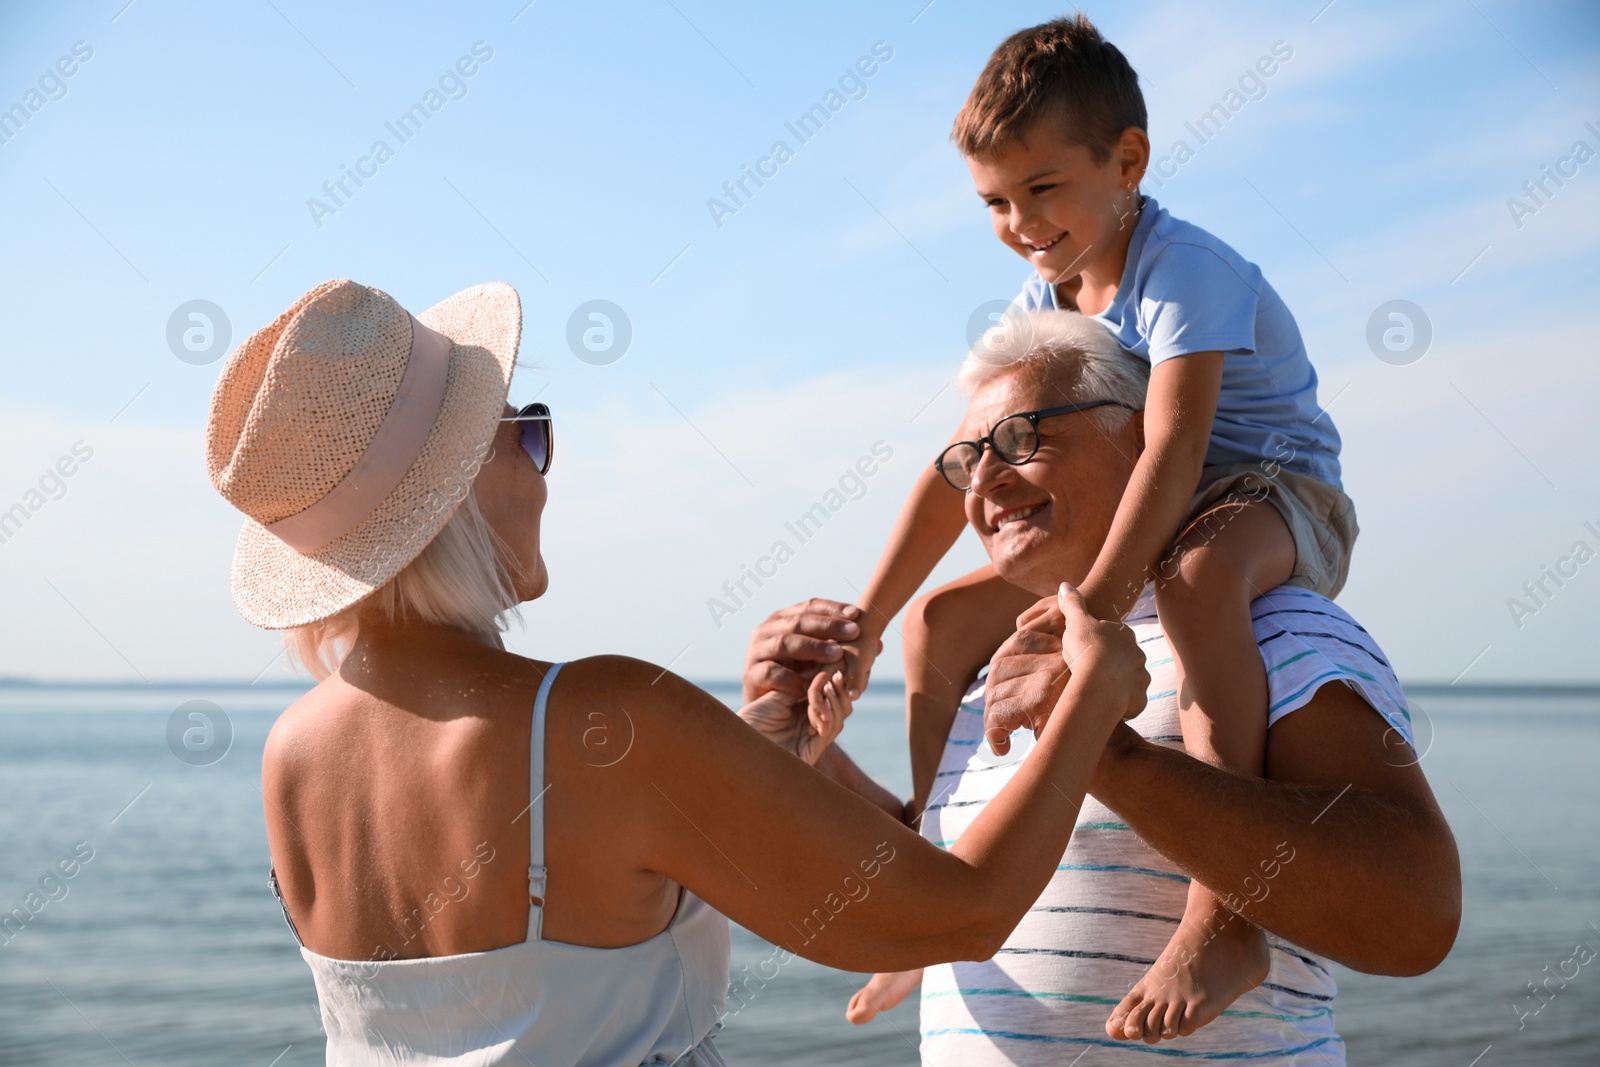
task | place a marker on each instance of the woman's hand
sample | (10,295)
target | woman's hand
(805,729)
(1103,653)
(1055,638)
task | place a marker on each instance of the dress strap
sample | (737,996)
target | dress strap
(272,877)
(536,789)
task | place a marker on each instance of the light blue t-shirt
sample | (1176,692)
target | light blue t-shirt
(1184,291)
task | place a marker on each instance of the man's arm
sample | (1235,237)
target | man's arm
(1339,851)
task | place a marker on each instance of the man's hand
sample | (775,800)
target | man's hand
(795,643)
(1030,671)
(1026,676)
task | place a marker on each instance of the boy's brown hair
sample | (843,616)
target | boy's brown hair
(1062,70)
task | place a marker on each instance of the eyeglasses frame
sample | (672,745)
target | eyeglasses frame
(1033,418)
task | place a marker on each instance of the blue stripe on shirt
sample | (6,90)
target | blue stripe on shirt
(1085,998)
(1127,1046)
(1117,868)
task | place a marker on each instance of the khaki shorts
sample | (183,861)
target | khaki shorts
(1321,519)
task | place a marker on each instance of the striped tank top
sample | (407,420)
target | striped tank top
(1114,902)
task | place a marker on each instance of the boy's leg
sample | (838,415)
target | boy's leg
(948,636)
(1223,562)
(1203,593)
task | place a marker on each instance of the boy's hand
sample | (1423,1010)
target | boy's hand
(858,660)
(805,729)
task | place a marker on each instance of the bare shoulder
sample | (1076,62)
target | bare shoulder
(290,764)
(474,687)
(292,741)
(604,707)
(628,681)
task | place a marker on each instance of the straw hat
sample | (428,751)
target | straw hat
(348,431)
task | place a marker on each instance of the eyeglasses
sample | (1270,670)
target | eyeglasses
(538,434)
(1014,439)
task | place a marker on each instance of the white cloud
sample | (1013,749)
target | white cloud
(646,520)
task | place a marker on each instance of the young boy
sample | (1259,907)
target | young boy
(1054,135)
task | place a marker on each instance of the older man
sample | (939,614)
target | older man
(1340,853)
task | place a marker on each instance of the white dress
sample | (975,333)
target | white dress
(540,1002)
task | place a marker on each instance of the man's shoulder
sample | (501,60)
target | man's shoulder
(1291,609)
(1308,641)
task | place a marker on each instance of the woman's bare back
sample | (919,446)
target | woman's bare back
(398,808)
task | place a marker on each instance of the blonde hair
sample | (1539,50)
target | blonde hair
(1066,349)
(460,580)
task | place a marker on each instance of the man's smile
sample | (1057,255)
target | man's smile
(1016,513)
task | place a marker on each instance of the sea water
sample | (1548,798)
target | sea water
(166,948)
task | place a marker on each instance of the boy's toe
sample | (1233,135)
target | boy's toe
(1151,1026)
(1123,1025)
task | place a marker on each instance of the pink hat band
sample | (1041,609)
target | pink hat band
(387,457)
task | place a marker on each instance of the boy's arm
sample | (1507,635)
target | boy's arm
(1179,407)
(842,769)
(929,523)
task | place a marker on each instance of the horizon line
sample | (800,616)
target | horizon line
(1571,687)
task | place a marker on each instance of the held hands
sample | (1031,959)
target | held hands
(804,728)
(858,660)
(1031,670)
(793,644)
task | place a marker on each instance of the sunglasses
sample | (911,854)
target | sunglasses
(538,433)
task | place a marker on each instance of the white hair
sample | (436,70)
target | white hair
(1066,349)
(460,580)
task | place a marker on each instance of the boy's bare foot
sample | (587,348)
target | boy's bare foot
(882,992)
(1202,970)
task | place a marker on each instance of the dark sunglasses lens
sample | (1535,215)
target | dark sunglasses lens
(537,437)
(536,443)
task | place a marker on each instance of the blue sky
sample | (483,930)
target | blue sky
(824,316)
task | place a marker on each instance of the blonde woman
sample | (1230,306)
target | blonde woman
(489,858)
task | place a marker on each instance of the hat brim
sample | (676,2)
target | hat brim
(276,587)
